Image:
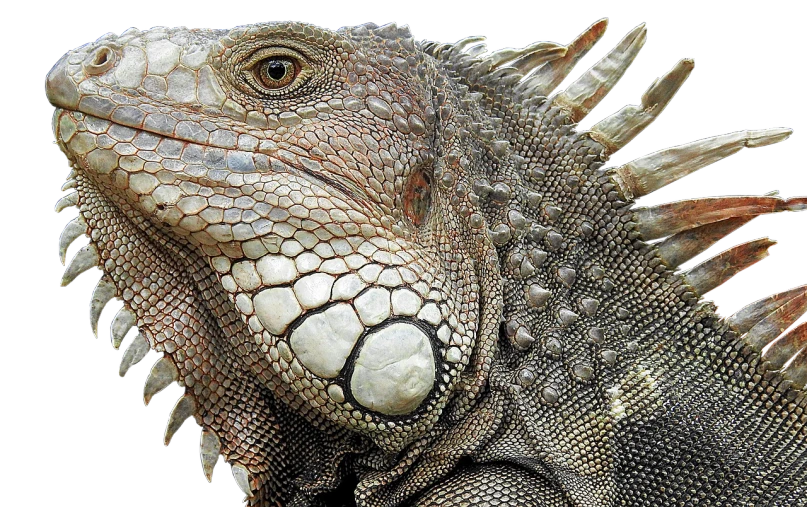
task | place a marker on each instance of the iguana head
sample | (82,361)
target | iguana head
(345,243)
(266,198)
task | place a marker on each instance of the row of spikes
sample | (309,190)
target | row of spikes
(530,74)
(689,226)
(164,372)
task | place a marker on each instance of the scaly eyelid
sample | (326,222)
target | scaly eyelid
(276,51)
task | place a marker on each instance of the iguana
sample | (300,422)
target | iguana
(390,272)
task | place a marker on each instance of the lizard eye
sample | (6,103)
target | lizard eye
(277,72)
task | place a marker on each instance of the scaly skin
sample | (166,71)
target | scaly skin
(393,273)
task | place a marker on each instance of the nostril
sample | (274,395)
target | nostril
(99,61)
(101,57)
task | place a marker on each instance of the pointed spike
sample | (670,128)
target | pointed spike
(185,407)
(567,317)
(509,77)
(540,53)
(652,172)
(161,375)
(786,347)
(775,323)
(659,221)
(523,338)
(590,88)
(548,76)
(499,58)
(437,48)
(84,259)
(477,50)
(123,321)
(537,296)
(589,306)
(567,276)
(508,55)
(619,129)
(431,47)
(681,247)
(478,72)
(72,230)
(716,271)
(136,351)
(242,478)
(796,370)
(103,293)
(67,185)
(209,450)
(70,199)
(751,314)
(461,44)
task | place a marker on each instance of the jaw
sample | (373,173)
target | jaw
(160,270)
(151,272)
(179,307)
(411,325)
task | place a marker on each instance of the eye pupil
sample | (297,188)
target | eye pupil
(276,69)
(277,72)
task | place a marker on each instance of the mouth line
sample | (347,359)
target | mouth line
(83,181)
(343,185)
